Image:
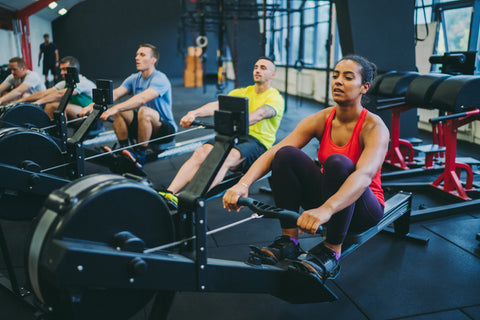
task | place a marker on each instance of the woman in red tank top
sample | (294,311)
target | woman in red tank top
(345,193)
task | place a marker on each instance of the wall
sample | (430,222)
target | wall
(243,37)
(380,30)
(104,35)
(7,37)
(308,83)
(383,32)
(9,46)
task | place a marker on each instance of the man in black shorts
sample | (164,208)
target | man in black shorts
(50,58)
(266,107)
(147,114)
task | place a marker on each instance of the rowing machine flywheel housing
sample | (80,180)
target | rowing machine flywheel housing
(94,209)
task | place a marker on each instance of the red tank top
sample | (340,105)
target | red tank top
(352,149)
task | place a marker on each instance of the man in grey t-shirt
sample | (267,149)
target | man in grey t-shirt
(22,81)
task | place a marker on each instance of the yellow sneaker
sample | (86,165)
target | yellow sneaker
(171,199)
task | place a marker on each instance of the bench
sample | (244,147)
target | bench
(416,91)
(431,152)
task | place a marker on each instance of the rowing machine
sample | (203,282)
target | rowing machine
(89,259)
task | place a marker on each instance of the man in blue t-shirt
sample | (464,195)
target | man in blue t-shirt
(148,113)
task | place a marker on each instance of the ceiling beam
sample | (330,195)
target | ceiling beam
(33,8)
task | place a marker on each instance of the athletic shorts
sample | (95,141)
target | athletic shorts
(250,149)
(51,67)
(165,130)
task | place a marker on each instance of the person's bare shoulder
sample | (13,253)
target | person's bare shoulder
(374,125)
(315,123)
(374,120)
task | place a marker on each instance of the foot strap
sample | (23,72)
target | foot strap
(307,262)
(258,256)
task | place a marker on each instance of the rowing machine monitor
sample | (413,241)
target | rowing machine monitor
(102,97)
(59,118)
(103,94)
(71,78)
(232,117)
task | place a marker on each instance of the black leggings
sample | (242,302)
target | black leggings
(297,181)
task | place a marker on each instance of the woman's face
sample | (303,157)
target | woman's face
(347,82)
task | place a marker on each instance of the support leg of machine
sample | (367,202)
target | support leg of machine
(162,302)
(8,262)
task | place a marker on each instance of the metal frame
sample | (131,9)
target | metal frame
(448,183)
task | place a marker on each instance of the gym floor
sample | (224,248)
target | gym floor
(386,278)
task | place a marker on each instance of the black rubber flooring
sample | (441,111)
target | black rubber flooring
(386,278)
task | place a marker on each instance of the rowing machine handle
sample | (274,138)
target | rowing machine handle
(109,119)
(203,124)
(267,210)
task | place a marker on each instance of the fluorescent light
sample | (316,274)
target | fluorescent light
(52,5)
(62,11)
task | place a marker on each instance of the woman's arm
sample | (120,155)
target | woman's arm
(308,128)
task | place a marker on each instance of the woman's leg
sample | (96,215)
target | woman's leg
(296,181)
(365,212)
(293,182)
(361,215)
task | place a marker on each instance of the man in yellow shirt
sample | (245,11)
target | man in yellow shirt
(266,107)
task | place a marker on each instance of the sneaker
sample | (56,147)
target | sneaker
(320,261)
(282,248)
(125,162)
(130,155)
(172,200)
(141,155)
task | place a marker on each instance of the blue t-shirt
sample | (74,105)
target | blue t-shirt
(159,82)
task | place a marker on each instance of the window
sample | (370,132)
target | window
(454,31)
(454,19)
(305,25)
(423,11)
